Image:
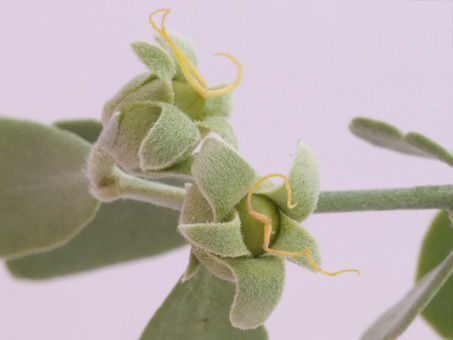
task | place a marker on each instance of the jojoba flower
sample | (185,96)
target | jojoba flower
(227,215)
(160,117)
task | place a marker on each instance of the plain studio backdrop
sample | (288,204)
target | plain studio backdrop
(309,68)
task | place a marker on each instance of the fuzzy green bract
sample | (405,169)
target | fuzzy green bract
(437,246)
(393,322)
(223,176)
(156,60)
(223,128)
(144,87)
(202,316)
(304,180)
(389,137)
(172,138)
(45,197)
(209,221)
(224,239)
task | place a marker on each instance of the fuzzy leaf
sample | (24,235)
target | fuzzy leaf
(198,309)
(144,87)
(293,238)
(219,106)
(223,176)
(185,45)
(304,181)
(88,129)
(121,231)
(397,319)
(438,243)
(223,239)
(389,137)
(172,138)
(222,127)
(156,59)
(45,199)
(259,285)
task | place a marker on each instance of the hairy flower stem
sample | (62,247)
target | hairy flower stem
(427,197)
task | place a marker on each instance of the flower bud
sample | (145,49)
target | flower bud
(144,87)
(153,136)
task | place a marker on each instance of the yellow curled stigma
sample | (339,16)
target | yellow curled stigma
(189,70)
(268,228)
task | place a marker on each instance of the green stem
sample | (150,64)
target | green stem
(152,192)
(427,197)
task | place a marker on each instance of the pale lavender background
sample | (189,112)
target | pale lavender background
(309,68)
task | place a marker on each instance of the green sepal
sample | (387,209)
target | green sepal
(156,59)
(188,100)
(259,285)
(438,243)
(198,309)
(215,264)
(171,139)
(223,176)
(181,170)
(304,182)
(389,137)
(185,45)
(122,231)
(222,238)
(45,198)
(144,87)
(293,238)
(218,106)
(88,129)
(222,127)
(134,123)
(195,208)
(395,321)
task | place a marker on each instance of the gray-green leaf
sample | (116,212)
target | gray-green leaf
(397,319)
(45,198)
(389,137)
(198,309)
(88,129)
(121,231)
(438,243)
